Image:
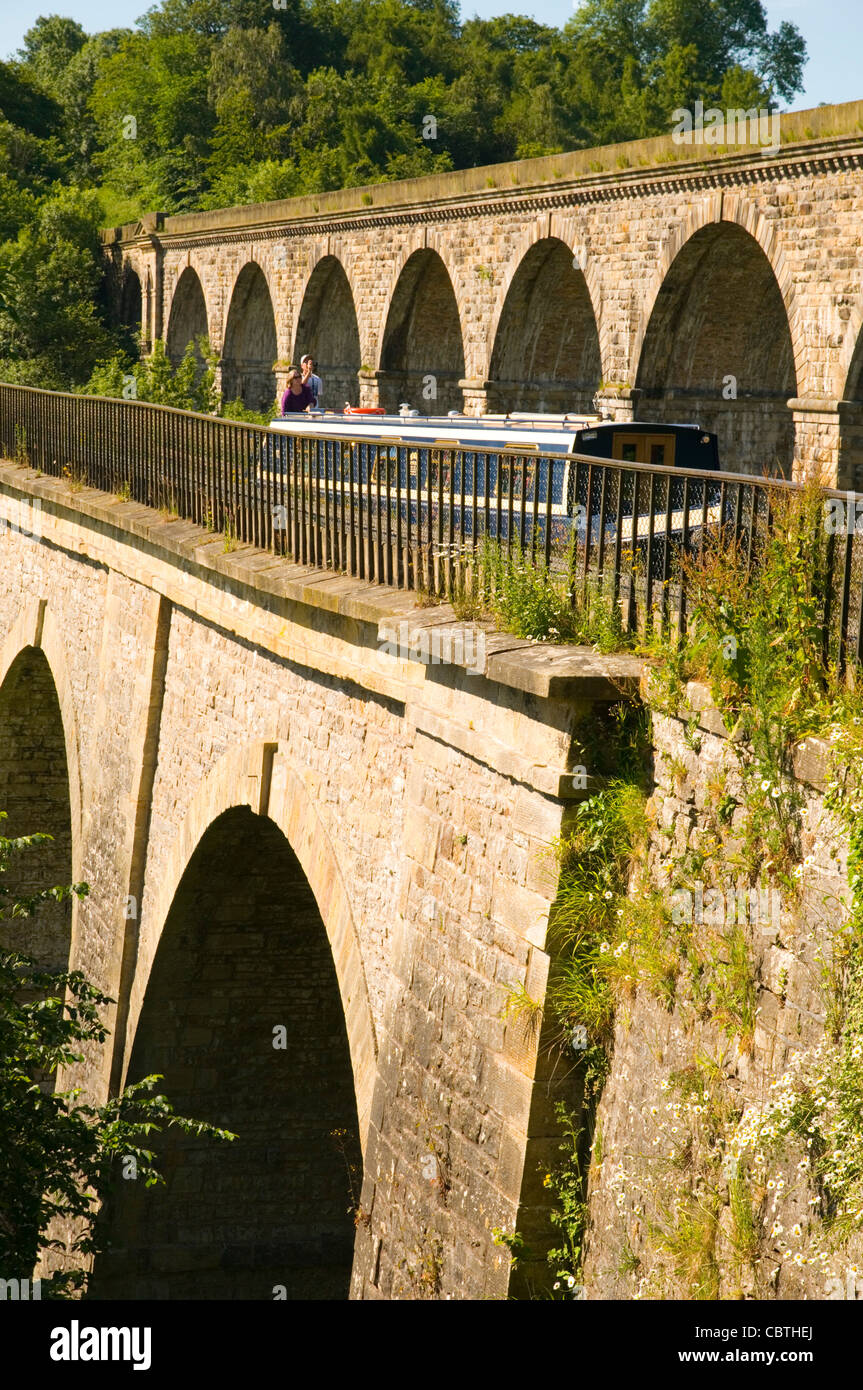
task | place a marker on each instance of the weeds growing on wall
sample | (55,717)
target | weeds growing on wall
(590,956)
(530,598)
(757,637)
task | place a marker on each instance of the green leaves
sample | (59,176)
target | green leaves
(58,1156)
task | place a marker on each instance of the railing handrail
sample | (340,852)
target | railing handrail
(328,504)
(367,437)
(723,475)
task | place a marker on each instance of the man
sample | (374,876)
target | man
(313,382)
(297,396)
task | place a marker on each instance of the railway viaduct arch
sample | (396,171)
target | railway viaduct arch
(712,285)
(317,866)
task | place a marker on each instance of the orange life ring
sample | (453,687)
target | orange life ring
(364,410)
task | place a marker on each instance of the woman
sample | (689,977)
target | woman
(297,396)
(309,368)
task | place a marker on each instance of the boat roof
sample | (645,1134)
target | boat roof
(550,432)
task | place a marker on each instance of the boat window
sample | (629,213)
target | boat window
(654,449)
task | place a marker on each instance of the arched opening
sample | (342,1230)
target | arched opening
(546,349)
(34,793)
(131,306)
(422,360)
(850,462)
(249,354)
(188,317)
(718,353)
(327,328)
(243,953)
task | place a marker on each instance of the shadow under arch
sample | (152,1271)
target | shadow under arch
(327,328)
(850,396)
(250,346)
(422,349)
(39,790)
(243,1018)
(131,306)
(546,353)
(187,319)
(718,351)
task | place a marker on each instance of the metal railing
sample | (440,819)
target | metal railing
(420,517)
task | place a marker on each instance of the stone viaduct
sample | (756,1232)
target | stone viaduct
(710,284)
(318,865)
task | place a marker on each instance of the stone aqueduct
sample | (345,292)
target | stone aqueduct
(317,865)
(708,285)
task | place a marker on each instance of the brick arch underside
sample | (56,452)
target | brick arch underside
(250,349)
(327,328)
(35,794)
(720,314)
(243,951)
(423,349)
(188,317)
(546,353)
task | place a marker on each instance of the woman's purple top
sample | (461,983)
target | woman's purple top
(291,403)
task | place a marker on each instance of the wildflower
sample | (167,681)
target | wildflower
(608,893)
(604,947)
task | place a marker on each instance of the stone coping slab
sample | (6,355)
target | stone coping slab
(553,672)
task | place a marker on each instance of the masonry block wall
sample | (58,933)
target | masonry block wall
(722,287)
(636,1240)
(287,821)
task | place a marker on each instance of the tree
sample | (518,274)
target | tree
(189,386)
(59,1157)
(52,331)
(153,117)
(24,104)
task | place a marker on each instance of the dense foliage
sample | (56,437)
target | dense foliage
(210,102)
(59,1157)
(207,103)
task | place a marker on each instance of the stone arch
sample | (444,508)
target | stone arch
(243,1019)
(261,777)
(848,374)
(327,328)
(250,345)
(39,779)
(546,352)
(188,316)
(131,302)
(422,343)
(849,392)
(719,323)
